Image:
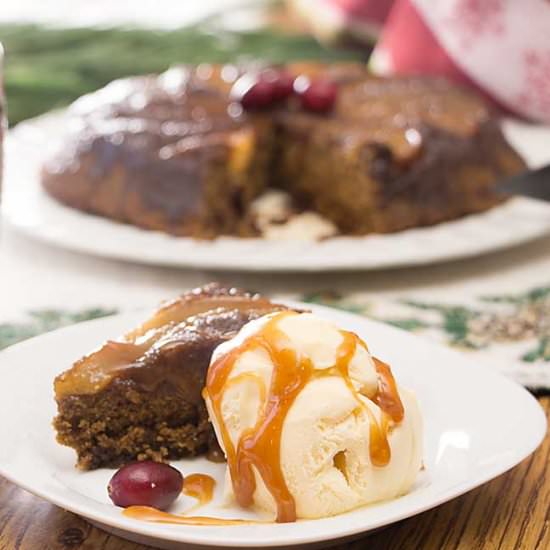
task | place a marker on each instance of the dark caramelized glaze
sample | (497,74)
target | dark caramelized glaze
(192,326)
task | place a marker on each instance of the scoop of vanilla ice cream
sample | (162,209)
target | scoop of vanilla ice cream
(324,454)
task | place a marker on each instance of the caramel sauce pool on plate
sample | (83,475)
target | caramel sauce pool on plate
(199,486)
(145,513)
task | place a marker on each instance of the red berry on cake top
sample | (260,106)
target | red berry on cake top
(318,96)
(253,92)
(282,81)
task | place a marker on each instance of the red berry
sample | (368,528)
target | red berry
(318,96)
(253,92)
(283,83)
(145,484)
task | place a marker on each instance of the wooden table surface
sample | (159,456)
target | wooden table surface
(511,512)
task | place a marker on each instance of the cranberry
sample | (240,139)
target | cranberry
(282,81)
(145,484)
(253,92)
(318,96)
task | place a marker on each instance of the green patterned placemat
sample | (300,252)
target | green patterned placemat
(45,320)
(521,318)
(511,331)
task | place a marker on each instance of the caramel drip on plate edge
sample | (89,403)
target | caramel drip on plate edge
(145,513)
(259,447)
(198,486)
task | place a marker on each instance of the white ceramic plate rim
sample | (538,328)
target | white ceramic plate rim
(320,530)
(30,210)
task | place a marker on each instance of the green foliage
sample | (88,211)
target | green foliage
(45,320)
(49,68)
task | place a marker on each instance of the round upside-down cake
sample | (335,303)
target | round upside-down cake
(178,152)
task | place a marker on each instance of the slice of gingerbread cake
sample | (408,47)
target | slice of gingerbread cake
(139,396)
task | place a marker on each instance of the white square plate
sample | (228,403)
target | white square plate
(478,424)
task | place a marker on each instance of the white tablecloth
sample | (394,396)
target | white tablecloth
(35,277)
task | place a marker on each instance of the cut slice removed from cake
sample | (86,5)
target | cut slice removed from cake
(139,396)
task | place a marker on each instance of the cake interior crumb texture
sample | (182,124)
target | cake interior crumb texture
(124,423)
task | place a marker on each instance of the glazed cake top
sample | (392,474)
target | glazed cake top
(169,345)
(186,102)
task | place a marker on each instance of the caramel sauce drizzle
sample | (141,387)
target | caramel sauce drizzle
(145,513)
(199,486)
(387,396)
(260,446)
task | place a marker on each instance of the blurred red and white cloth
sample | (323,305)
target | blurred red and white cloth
(501,47)
(330,19)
